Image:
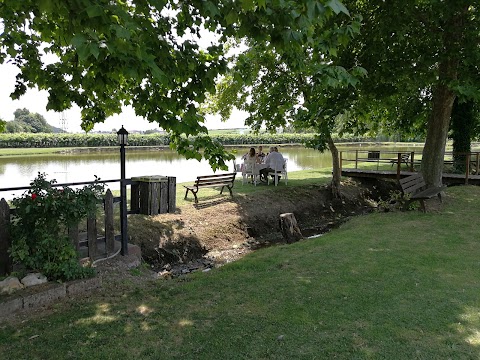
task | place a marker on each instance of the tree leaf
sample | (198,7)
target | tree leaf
(78,40)
(94,11)
(337,7)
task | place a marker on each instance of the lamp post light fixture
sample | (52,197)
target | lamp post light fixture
(122,139)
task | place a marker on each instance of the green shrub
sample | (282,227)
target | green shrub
(40,225)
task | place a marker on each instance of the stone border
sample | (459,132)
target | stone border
(45,294)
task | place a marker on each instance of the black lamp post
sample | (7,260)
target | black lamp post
(122,139)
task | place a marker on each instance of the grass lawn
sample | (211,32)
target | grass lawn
(383,286)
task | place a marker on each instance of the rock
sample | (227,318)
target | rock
(34,279)
(10,285)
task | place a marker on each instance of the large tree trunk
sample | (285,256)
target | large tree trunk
(443,96)
(336,172)
(438,124)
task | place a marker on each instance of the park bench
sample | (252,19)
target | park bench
(414,189)
(223,180)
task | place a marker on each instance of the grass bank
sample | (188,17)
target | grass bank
(383,286)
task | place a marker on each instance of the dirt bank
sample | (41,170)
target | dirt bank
(221,229)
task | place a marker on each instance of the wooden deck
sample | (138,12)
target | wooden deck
(448,179)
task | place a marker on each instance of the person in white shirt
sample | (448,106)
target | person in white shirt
(274,160)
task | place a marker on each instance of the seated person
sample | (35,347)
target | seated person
(249,161)
(274,160)
(260,154)
(250,157)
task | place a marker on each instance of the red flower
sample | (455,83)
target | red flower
(34,196)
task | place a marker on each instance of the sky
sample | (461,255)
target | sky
(36,102)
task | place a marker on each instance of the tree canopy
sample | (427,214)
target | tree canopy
(281,86)
(25,121)
(419,55)
(141,53)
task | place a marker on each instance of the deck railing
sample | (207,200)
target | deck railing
(409,161)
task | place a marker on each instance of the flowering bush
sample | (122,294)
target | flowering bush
(40,225)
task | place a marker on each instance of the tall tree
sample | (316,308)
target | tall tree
(419,54)
(141,53)
(105,54)
(29,122)
(281,84)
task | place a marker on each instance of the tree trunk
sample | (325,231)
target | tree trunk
(336,172)
(443,96)
(462,125)
(438,124)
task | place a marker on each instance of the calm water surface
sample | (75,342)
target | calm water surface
(19,171)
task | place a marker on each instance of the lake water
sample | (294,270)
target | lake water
(19,171)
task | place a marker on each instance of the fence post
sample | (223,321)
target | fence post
(467,167)
(73,236)
(5,240)
(476,169)
(109,228)
(92,237)
(412,161)
(341,162)
(135,197)
(399,164)
(172,194)
(356,159)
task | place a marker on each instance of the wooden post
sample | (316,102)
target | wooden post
(163,197)
(73,236)
(172,194)
(290,230)
(412,160)
(144,198)
(109,229)
(5,240)
(467,167)
(476,164)
(341,162)
(92,237)
(399,164)
(153,198)
(134,197)
(356,159)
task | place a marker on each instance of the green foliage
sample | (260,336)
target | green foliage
(396,201)
(464,125)
(23,140)
(40,225)
(25,121)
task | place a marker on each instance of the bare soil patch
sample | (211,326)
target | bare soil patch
(221,229)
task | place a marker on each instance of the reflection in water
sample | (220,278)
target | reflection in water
(19,171)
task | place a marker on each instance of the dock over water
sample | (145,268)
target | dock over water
(396,165)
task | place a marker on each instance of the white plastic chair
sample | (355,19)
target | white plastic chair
(277,173)
(237,167)
(250,169)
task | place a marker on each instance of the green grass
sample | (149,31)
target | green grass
(295,178)
(383,286)
(30,151)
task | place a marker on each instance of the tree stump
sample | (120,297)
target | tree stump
(290,230)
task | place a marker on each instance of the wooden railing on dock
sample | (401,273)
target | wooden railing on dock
(407,161)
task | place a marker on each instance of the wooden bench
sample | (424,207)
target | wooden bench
(414,187)
(223,180)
